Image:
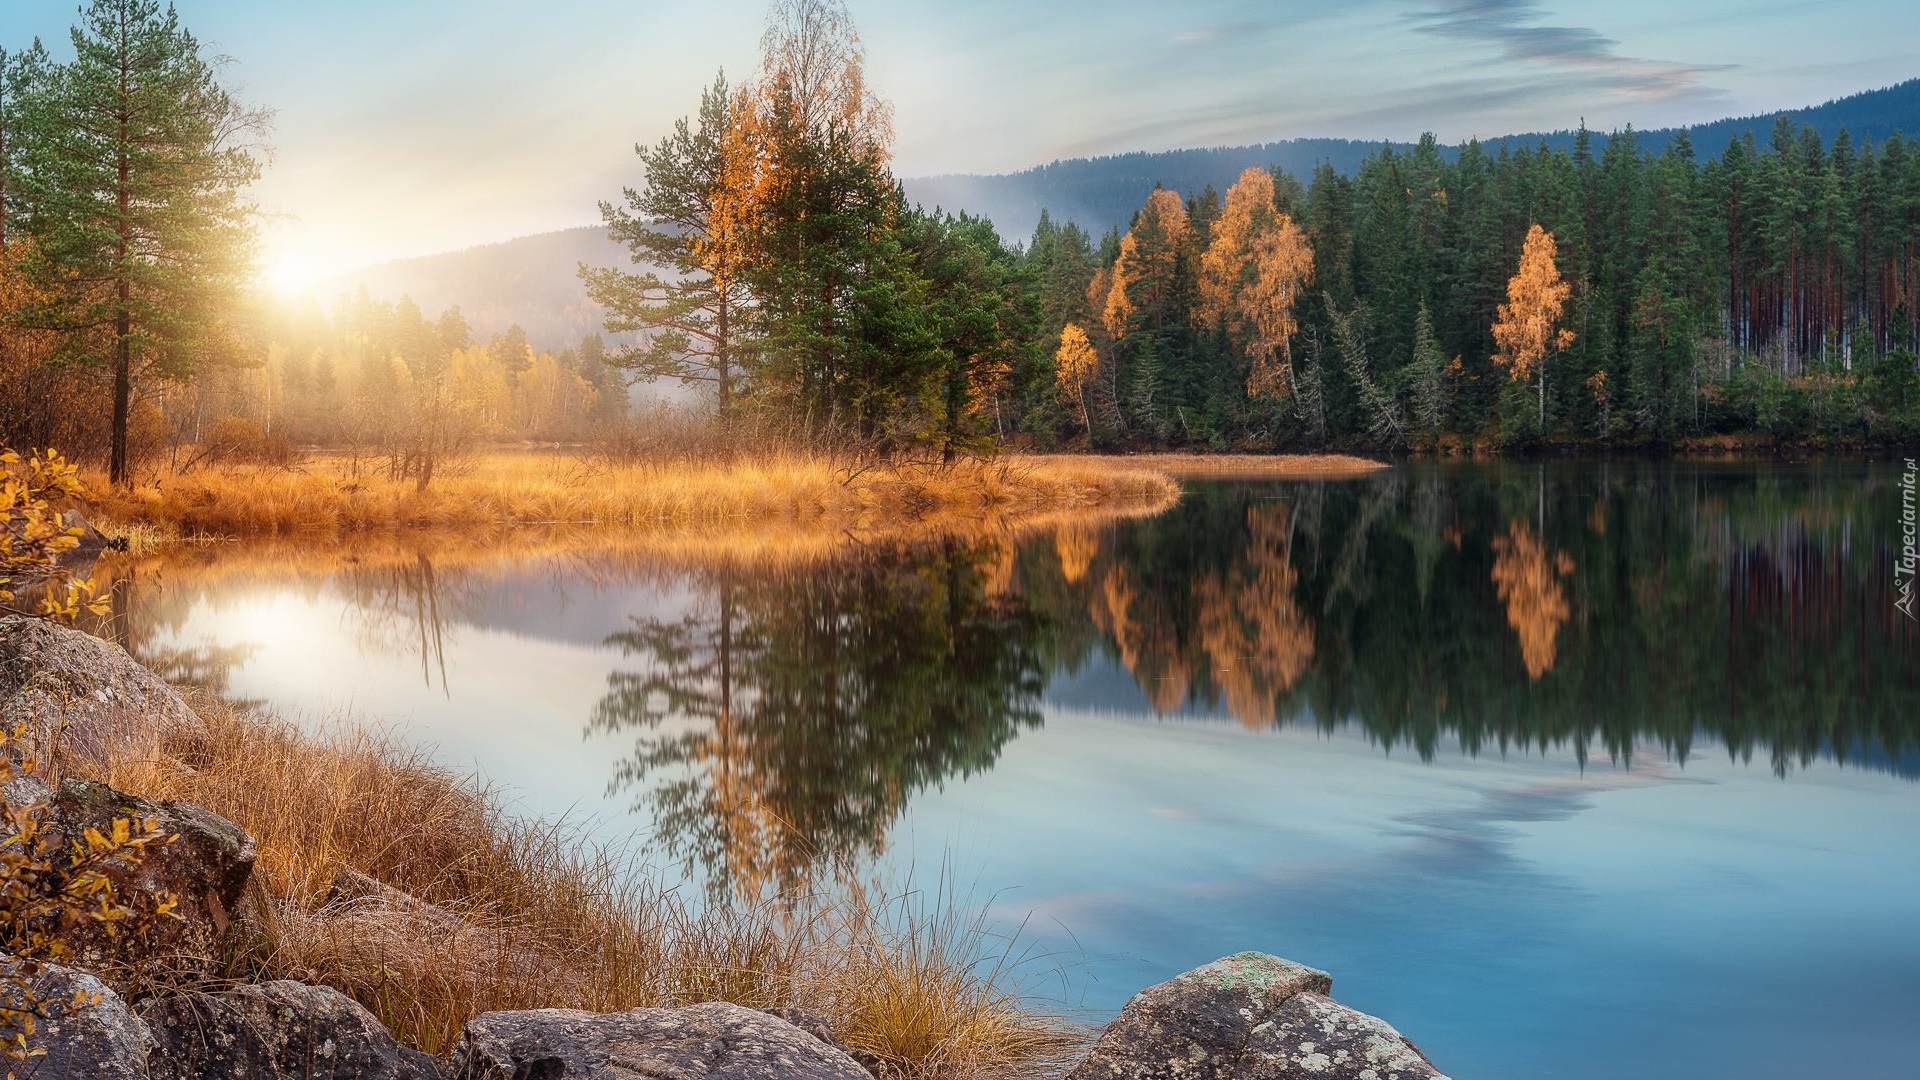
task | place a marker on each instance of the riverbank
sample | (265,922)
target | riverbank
(336,495)
(416,891)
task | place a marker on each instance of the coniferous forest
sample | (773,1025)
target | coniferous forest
(1611,295)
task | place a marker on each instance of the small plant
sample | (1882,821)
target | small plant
(34,534)
(51,888)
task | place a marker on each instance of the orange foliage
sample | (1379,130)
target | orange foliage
(1251,277)
(1536,297)
(1528,578)
(1076,548)
(1250,624)
(1073,364)
(1143,276)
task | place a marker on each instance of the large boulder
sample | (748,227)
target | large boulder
(714,1041)
(84,695)
(272,1031)
(99,1040)
(206,868)
(1249,1017)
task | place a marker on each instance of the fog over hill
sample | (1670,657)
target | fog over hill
(531,280)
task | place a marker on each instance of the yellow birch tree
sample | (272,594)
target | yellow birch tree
(1526,331)
(1074,363)
(1251,277)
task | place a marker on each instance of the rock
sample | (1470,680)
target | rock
(714,1041)
(820,1026)
(86,692)
(98,1041)
(206,869)
(92,540)
(272,1031)
(1249,1017)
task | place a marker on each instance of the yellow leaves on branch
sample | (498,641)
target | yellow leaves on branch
(1528,578)
(34,533)
(1251,277)
(1525,330)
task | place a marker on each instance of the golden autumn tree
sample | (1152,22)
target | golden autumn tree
(1255,267)
(1527,330)
(1144,276)
(1528,577)
(1074,362)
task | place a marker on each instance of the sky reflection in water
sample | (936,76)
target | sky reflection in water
(1241,725)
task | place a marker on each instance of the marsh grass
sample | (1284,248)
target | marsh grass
(415,891)
(331,495)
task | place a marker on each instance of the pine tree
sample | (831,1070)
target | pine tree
(133,192)
(689,220)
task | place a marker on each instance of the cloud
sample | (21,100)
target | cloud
(1514,26)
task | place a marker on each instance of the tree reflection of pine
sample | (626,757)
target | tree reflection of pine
(783,725)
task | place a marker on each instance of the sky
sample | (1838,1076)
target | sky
(406,127)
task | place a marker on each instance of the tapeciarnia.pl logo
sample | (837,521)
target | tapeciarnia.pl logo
(1903,567)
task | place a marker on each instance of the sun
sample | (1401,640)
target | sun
(290,273)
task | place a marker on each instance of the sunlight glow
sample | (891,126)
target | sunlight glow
(289,273)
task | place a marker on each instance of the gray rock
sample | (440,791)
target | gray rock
(83,694)
(272,1031)
(714,1041)
(206,868)
(1249,1017)
(98,1041)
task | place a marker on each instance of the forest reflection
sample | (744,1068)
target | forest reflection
(784,723)
(776,717)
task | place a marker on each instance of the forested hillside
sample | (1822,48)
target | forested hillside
(1102,193)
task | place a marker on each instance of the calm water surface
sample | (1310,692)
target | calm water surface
(1592,771)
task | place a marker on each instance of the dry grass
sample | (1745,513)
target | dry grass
(326,496)
(1266,466)
(476,910)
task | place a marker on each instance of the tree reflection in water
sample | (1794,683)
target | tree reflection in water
(783,724)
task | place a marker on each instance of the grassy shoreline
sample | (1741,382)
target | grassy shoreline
(476,909)
(331,495)
(327,495)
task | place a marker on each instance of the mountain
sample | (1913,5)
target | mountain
(1102,193)
(531,280)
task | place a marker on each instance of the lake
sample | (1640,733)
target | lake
(1591,770)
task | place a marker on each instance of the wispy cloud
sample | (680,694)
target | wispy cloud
(1516,27)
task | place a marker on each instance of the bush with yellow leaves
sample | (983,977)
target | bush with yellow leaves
(34,492)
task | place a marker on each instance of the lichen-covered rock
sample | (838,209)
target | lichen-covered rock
(98,1041)
(87,693)
(272,1031)
(1313,1035)
(1249,1017)
(205,869)
(714,1041)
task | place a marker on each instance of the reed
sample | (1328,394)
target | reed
(414,890)
(334,495)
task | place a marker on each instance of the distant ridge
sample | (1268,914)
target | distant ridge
(1102,193)
(531,280)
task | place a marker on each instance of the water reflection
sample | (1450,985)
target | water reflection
(783,723)
(1516,607)
(776,717)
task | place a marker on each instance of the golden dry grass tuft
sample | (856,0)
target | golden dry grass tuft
(413,890)
(328,495)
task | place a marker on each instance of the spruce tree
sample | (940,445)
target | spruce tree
(133,192)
